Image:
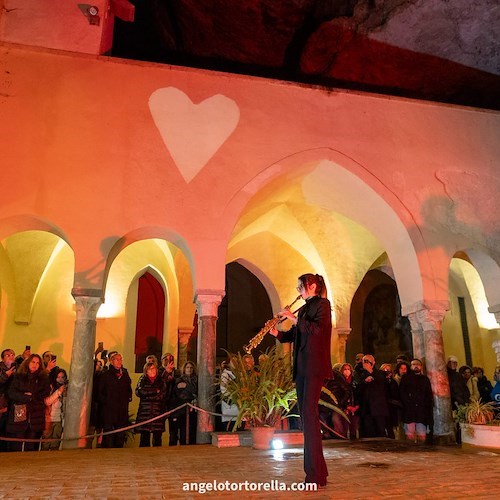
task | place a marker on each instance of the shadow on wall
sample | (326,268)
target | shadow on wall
(95,274)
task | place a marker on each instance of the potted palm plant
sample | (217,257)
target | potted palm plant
(263,397)
(478,424)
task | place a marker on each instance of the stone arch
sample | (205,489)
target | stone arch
(21,223)
(28,270)
(489,272)
(128,287)
(324,171)
(149,233)
(266,282)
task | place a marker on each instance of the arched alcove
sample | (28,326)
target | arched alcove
(36,273)
(149,325)
(243,311)
(378,328)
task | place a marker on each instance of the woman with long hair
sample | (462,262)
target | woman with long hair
(55,407)
(353,401)
(27,394)
(311,334)
(185,391)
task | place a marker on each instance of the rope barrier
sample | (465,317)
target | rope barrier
(114,431)
(130,427)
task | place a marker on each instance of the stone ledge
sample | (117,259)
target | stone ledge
(244,438)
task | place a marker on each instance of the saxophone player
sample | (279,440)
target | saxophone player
(311,335)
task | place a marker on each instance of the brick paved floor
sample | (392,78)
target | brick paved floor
(364,470)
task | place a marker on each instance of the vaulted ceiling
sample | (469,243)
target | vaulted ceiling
(447,51)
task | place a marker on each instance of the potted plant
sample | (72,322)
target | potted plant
(263,397)
(478,424)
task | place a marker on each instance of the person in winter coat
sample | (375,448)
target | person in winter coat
(471,382)
(115,394)
(337,385)
(416,397)
(374,408)
(95,426)
(353,401)
(54,411)
(185,391)
(483,384)
(150,390)
(27,394)
(459,392)
(8,368)
(394,404)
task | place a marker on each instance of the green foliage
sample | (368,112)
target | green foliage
(262,398)
(476,412)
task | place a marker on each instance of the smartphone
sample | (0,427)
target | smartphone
(100,345)
(27,348)
(53,357)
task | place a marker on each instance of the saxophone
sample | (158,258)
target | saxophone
(268,326)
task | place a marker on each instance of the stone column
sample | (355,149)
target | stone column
(207,303)
(342,334)
(81,370)
(430,318)
(417,336)
(184,336)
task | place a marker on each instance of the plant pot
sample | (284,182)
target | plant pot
(262,437)
(484,436)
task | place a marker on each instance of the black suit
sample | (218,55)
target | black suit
(311,365)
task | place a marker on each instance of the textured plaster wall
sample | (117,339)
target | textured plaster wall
(85,154)
(56,25)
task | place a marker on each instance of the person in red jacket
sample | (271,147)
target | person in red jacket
(311,335)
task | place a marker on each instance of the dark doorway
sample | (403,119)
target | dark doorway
(377,325)
(243,312)
(150,320)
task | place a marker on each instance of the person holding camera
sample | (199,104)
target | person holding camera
(54,412)
(7,369)
(50,362)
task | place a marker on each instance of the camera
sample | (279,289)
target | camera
(53,357)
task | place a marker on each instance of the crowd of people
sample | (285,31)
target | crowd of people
(394,400)
(33,401)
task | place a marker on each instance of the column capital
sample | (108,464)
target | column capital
(87,307)
(207,301)
(343,331)
(427,315)
(430,305)
(184,334)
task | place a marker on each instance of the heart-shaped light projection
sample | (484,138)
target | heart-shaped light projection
(192,132)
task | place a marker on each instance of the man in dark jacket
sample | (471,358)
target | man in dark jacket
(115,393)
(459,392)
(416,396)
(374,408)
